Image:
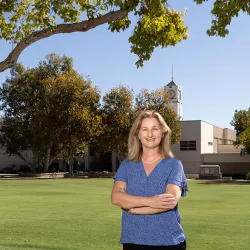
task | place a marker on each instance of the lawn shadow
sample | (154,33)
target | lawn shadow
(32,246)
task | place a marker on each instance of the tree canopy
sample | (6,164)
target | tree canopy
(223,12)
(241,123)
(25,22)
(56,113)
(50,109)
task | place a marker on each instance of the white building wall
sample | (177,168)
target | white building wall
(207,138)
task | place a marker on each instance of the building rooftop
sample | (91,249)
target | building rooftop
(205,122)
(172,83)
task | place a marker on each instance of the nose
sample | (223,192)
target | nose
(150,133)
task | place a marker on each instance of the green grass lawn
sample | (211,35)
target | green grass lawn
(76,214)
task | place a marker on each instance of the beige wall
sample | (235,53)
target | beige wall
(215,145)
(218,132)
(191,131)
(224,136)
(231,164)
(191,167)
(217,154)
(229,148)
(191,160)
(226,157)
(229,135)
(236,170)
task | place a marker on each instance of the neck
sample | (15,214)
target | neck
(150,154)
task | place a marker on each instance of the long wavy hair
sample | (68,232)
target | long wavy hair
(134,144)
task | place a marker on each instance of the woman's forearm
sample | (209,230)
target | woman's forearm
(127,201)
(147,210)
(124,200)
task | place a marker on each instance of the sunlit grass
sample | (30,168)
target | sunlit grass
(76,214)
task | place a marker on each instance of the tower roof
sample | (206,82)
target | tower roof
(172,83)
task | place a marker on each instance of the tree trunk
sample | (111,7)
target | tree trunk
(47,160)
(35,161)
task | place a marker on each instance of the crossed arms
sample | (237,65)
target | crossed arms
(145,205)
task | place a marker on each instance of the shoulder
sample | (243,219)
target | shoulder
(173,163)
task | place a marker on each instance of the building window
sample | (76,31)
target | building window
(188,145)
(210,144)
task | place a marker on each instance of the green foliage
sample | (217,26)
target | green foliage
(248,176)
(119,110)
(157,25)
(118,116)
(241,123)
(55,112)
(223,12)
(50,109)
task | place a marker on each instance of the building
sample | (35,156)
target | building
(202,143)
(175,95)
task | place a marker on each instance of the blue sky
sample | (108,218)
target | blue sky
(213,72)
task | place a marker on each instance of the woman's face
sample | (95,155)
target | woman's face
(150,133)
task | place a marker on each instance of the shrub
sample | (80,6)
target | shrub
(248,176)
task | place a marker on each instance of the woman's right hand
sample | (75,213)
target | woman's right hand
(162,201)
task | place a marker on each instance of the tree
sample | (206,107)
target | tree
(223,12)
(50,109)
(118,115)
(241,123)
(22,23)
(121,107)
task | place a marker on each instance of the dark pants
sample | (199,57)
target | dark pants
(180,246)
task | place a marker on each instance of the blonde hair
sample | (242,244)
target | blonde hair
(134,144)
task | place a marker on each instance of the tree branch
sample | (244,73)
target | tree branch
(22,157)
(83,26)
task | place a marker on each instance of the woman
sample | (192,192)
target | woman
(148,186)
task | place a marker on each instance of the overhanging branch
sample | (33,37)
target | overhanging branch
(83,26)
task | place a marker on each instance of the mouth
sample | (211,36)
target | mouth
(153,139)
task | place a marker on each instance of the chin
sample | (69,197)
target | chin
(152,146)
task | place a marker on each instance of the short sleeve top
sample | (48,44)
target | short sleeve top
(156,229)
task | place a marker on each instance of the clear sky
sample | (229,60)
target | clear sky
(213,72)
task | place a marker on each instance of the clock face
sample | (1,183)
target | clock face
(171,94)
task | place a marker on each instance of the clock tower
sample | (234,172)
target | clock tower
(175,97)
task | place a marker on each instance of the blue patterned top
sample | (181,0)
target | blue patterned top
(156,229)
